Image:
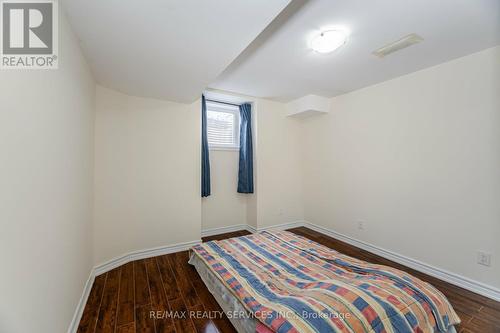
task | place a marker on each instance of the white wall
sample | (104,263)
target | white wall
(147,174)
(225,206)
(278,172)
(417,160)
(46,162)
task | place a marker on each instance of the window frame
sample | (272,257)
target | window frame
(235,111)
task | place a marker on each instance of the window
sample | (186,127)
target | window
(223,125)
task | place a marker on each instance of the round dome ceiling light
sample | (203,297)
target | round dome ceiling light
(328,41)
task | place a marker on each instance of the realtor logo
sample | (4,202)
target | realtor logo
(29,34)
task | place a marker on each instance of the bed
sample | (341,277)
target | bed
(277,281)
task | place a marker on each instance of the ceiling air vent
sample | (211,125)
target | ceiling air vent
(398,45)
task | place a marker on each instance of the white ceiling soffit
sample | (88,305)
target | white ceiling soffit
(167,49)
(308,105)
(280,65)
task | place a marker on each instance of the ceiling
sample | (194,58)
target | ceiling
(279,64)
(174,49)
(168,49)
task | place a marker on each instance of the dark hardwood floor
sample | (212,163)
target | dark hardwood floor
(121,300)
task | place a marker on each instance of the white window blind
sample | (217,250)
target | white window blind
(222,126)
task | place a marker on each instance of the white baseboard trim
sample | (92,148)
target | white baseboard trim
(284,226)
(73,327)
(116,262)
(223,230)
(251,229)
(142,254)
(450,277)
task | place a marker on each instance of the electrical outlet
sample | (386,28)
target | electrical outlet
(361,225)
(483,258)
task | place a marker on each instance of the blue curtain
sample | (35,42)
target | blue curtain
(205,161)
(245,174)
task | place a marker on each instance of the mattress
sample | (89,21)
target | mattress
(242,320)
(238,312)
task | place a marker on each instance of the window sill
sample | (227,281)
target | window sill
(224,148)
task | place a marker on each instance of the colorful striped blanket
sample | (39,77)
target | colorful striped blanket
(292,284)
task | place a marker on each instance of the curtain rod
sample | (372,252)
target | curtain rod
(213,101)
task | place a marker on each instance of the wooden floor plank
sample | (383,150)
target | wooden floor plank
(178,261)
(159,302)
(167,275)
(169,281)
(142,296)
(106,321)
(184,324)
(125,311)
(490,314)
(201,323)
(144,323)
(91,311)
(479,324)
(127,328)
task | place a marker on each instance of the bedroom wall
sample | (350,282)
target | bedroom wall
(46,140)
(224,207)
(278,172)
(416,159)
(147,174)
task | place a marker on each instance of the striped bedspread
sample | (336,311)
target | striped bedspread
(292,284)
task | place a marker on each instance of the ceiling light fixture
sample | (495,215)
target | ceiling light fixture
(328,41)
